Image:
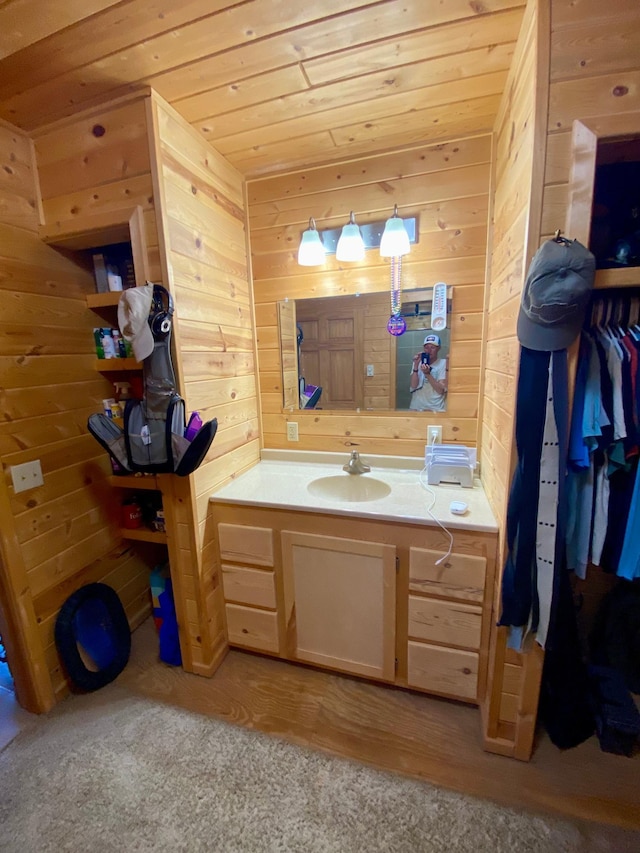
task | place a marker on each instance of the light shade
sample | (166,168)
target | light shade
(395,240)
(350,245)
(311,252)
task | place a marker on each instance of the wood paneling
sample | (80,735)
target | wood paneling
(594,81)
(271,85)
(55,537)
(593,94)
(446,187)
(518,173)
(199,201)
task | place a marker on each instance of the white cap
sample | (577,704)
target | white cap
(432,339)
(133,318)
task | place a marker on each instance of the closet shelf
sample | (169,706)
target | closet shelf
(617,277)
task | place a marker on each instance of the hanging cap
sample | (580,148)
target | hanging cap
(133,318)
(432,339)
(555,295)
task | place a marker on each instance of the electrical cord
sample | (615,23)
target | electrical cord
(428,488)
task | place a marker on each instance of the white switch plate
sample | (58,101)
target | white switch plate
(292,431)
(370,370)
(434,434)
(27,476)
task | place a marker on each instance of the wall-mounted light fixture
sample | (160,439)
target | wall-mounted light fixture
(395,240)
(394,245)
(371,234)
(350,245)
(311,252)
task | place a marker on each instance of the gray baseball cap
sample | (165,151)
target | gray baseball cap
(556,295)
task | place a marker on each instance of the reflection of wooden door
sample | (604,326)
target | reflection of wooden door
(331,354)
(340,603)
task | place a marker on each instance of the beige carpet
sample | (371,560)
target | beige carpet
(109,772)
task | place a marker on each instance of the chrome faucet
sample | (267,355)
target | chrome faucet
(355,465)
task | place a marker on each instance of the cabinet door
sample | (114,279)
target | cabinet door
(340,603)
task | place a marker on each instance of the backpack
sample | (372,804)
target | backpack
(153,438)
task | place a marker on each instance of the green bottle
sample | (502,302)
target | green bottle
(97,336)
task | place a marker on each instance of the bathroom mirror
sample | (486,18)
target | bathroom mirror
(337,354)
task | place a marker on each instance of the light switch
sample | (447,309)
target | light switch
(27,476)
(370,370)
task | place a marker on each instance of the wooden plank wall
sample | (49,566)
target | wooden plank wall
(64,532)
(200,201)
(595,78)
(18,223)
(447,187)
(518,169)
(595,62)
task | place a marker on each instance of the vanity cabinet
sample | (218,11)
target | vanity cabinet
(445,621)
(248,583)
(339,601)
(359,596)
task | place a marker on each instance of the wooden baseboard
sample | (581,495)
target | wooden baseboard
(207,670)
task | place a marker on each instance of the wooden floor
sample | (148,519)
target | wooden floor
(413,734)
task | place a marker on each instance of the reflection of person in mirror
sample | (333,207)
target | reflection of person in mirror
(429,378)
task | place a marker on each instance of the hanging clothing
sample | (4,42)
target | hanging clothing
(521,605)
(603,452)
(547,515)
(588,420)
(629,563)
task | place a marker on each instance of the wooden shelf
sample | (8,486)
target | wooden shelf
(130,481)
(112,365)
(618,277)
(143,534)
(104,300)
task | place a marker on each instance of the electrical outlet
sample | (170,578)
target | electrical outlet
(27,476)
(370,370)
(292,431)
(434,435)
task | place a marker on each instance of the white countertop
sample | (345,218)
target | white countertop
(281,480)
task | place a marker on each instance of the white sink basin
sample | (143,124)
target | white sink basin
(349,487)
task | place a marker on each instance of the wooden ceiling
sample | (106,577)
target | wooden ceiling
(272,84)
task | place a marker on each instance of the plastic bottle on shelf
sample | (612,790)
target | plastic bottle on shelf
(118,344)
(106,339)
(97,336)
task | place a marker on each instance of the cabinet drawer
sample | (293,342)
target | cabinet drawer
(460,576)
(256,629)
(249,586)
(440,670)
(245,544)
(446,622)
